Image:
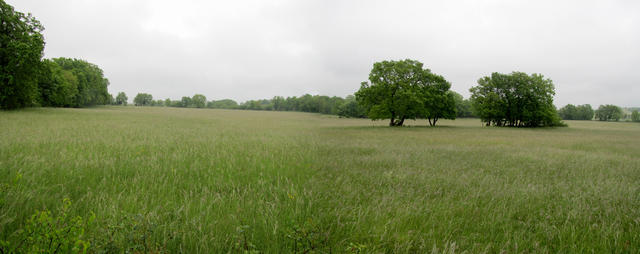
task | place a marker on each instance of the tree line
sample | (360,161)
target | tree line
(606,112)
(344,107)
(28,80)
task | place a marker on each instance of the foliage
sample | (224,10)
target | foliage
(143,99)
(57,87)
(463,106)
(185,102)
(307,103)
(198,101)
(21,48)
(132,233)
(351,108)
(64,82)
(635,116)
(515,100)
(438,101)
(400,90)
(308,237)
(223,104)
(122,99)
(608,113)
(46,233)
(26,80)
(242,243)
(580,112)
(91,86)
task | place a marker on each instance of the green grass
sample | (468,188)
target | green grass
(207,181)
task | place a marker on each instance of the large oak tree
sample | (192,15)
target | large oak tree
(400,90)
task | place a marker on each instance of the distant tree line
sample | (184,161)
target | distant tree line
(606,112)
(609,113)
(344,107)
(580,112)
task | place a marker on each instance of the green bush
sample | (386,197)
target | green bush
(45,233)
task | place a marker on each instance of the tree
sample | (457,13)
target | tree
(568,112)
(400,90)
(351,108)
(463,106)
(635,116)
(92,85)
(21,49)
(157,103)
(199,101)
(225,104)
(57,87)
(438,102)
(515,100)
(278,103)
(185,102)
(571,112)
(584,112)
(167,102)
(143,99)
(608,113)
(121,99)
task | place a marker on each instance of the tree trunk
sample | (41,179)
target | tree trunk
(435,119)
(401,122)
(393,119)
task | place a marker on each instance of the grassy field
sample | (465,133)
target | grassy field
(211,181)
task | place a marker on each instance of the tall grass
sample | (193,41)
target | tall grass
(198,180)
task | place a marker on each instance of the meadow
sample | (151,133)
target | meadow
(218,181)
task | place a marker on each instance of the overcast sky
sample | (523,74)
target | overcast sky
(258,49)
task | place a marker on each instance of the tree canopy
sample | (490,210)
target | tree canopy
(400,90)
(580,112)
(92,85)
(463,106)
(199,101)
(515,100)
(57,87)
(21,49)
(608,113)
(121,99)
(635,116)
(143,99)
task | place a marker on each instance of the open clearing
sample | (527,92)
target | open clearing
(201,180)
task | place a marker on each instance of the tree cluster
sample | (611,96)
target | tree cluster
(121,99)
(28,80)
(143,99)
(306,103)
(635,116)
(463,106)
(515,100)
(609,113)
(400,90)
(66,82)
(580,112)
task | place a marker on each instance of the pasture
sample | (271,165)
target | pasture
(211,181)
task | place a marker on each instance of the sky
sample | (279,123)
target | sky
(255,49)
